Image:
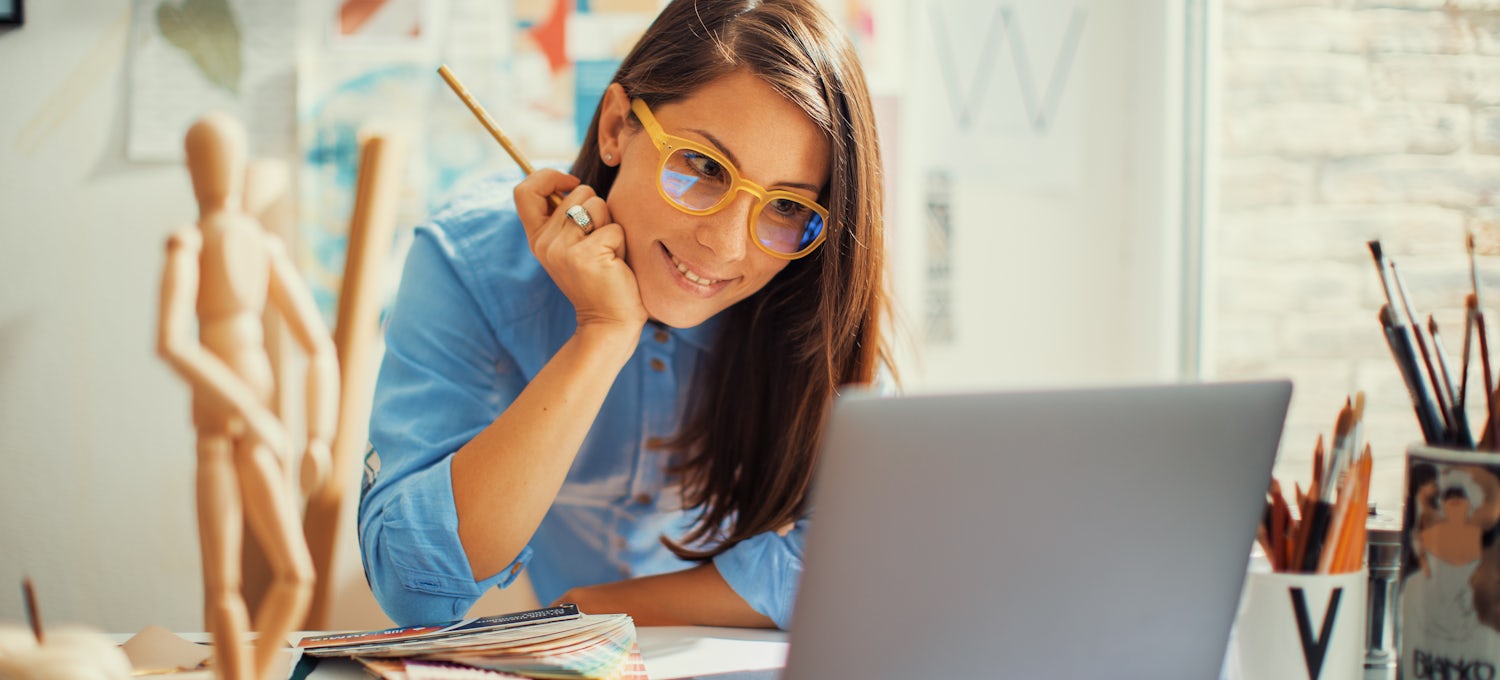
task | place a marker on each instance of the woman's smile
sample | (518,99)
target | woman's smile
(688,278)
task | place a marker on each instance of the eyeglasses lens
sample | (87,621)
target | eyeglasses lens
(698,182)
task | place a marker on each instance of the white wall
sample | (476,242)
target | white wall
(1054,285)
(1066,247)
(1342,123)
(95,492)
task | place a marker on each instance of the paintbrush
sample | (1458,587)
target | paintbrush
(1462,401)
(1345,450)
(1458,421)
(1443,403)
(1322,504)
(1401,341)
(1484,362)
(489,124)
(1475,306)
(1342,439)
(1473,265)
(1471,303)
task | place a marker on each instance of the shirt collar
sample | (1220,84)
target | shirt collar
(702,335)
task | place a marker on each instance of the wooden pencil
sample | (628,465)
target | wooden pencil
(1337,533)
(1281,521)
(488,123)
(1354,557)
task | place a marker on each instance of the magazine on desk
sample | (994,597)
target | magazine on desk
(553,642)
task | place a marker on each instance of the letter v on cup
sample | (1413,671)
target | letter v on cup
(1295,626)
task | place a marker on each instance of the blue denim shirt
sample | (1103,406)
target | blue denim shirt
(476,317)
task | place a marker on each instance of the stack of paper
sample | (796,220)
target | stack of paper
(556,642)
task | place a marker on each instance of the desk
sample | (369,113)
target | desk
(697,651)
(671,653)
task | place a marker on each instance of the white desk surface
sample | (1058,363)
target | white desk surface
(696,651)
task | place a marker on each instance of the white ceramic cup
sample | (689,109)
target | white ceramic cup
(1300,627)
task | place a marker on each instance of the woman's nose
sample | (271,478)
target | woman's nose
(727,232)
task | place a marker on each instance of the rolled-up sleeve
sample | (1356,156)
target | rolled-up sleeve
(765,570)
(444,378)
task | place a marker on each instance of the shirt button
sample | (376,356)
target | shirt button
(658,365)
(662,337)
(643,499)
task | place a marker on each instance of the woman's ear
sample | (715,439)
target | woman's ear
(614,112)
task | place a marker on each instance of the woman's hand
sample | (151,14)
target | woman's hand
(589,268)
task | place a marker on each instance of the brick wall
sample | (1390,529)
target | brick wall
(1339,122)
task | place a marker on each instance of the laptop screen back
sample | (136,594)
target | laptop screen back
(1066,534)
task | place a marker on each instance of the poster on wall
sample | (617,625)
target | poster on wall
(366,68)
(537,66)
(191,57)
(1003,92)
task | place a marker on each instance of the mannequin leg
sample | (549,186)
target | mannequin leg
(272,513)
(219,536)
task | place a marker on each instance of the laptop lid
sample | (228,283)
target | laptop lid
(1061,534)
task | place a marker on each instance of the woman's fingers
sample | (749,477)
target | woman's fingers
(588,265)
(595,210)
(533,197)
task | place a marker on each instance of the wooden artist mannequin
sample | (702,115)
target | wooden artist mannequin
(226,268)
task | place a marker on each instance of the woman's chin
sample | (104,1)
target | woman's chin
(677,315)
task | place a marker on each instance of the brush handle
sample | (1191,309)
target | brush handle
(1399,339)
(1317,532)
(1458,422)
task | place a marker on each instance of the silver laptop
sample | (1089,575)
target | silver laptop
(1099,533)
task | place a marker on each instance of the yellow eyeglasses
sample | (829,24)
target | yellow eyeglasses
(699,181)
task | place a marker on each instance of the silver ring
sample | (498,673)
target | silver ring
(581,218)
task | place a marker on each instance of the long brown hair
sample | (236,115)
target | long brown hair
(747,448)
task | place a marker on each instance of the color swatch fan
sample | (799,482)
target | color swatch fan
(556,642)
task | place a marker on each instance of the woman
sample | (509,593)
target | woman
(629,398)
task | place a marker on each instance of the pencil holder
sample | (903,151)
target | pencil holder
(1294,626)
(1449,624)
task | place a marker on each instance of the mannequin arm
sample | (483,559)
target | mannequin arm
(292,298)
(201,369)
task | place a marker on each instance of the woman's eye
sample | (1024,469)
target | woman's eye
(789,208)
(703,165)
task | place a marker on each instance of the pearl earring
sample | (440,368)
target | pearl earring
(609,157)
